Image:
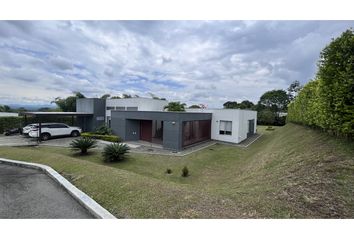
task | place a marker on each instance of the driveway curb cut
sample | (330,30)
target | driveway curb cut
(88,203)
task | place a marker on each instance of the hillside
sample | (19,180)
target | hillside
(291,172)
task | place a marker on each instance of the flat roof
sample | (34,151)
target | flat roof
(56,114)
(135,98)
(166,112)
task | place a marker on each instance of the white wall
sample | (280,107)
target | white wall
(239,120)
(8,114)
(143,104)
(245,116)
(225,115)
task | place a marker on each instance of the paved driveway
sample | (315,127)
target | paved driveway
(16,140)
(30,193)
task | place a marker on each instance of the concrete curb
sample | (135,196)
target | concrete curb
(88,203)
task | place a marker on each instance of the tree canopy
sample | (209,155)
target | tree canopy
(5,108)
(276,100)
(243,105)
(294,89)
(194,106)
(175,107)
(68,104)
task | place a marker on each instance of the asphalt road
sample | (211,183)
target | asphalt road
(30,193)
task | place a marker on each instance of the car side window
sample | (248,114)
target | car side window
(60,126)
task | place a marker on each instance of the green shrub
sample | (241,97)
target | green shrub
(266,117)
(83,144)
(103,130)
(115,152)
(108,138)
(168,171)
(270,128)
(9,123)
(185,172)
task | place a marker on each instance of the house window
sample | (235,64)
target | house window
(110,108)
(120,108)
(225,128)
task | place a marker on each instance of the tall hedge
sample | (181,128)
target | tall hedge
(10,122)
(17,122)
(328,101)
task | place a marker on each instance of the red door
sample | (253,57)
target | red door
(146,130)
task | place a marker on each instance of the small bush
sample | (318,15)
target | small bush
(270,128)
(109,138)
(168,171)
(185,172)
(103,130)
(115,152)
(83,144)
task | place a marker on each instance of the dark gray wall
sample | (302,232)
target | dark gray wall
(132,130)
(126,124)
(95,106)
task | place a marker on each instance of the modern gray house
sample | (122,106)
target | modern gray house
(173,130)
(144,119)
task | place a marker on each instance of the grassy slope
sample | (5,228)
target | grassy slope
(291,172)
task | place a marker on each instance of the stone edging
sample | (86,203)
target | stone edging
(88,203)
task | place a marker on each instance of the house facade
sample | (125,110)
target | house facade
(144,119)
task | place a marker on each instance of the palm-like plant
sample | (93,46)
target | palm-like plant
(115,152)
(175,107)
(83,144)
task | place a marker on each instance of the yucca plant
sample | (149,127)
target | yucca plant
(115,152)
(83,144)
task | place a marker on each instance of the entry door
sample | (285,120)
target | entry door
(146,130)
(250,128)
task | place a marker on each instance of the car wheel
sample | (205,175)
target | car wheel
(75,133)
(45,136)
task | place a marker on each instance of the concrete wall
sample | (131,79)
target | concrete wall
(245,116)
(126,124)
(8,114)
(95,106)
(142,104)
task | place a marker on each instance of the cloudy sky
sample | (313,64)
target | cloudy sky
(207,62)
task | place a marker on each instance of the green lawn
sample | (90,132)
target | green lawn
(292,171)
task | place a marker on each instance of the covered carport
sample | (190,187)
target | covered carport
(83,118)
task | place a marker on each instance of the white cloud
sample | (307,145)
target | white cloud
(190,61)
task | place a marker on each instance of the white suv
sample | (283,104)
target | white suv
(49,130)
(29,128)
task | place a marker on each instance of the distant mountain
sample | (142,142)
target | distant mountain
(32,107)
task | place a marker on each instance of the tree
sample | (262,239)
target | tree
(194,106)
(5,108)
(246,105)
(126,95)
(105,96)
(116,97)
(68,104)
(230,104)
(275,100)
(266,117)
(294,89)
(175,107)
